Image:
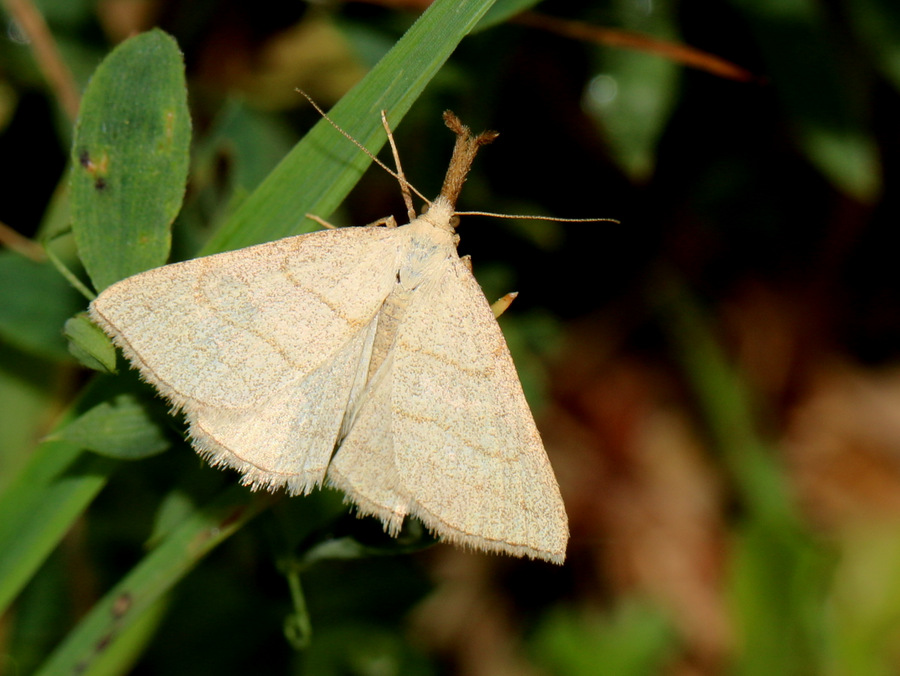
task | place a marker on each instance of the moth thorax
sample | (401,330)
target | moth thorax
(441,214)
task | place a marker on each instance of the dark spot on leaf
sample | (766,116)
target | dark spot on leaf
(94,164)
(232,517)
(104,642)
(121,605)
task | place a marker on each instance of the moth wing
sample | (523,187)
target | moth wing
(288,439)
(466,447)
(363,467)
(252,342)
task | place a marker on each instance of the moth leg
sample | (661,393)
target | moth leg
(321,221)
(404,185)
(387,221)
(500,305)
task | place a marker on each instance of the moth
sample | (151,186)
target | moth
(364,358)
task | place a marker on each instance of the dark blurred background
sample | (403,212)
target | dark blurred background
(715,376)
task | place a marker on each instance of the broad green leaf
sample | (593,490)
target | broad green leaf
(130,158)
(818,91)
(124,427)
(320,171)
(633,93)
(34,304)
(89,345)
(366,543)
(877,24)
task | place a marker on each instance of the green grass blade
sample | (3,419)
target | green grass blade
(320,171)
(121,655)
(155,575)
(778,571)
(41,502)
(39,506)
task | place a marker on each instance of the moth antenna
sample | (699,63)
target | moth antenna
(405,185)
(464,152)
(534,217)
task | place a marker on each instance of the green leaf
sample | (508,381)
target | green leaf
(131,641)
(877,24)
(320,171)
(504,10)
(26,394)
(89,345)
(366,540)
(636,640)
(156,574)
(253,141)
(865,603)
(34,303)
(633,93)
(39,506)
(124,427)
(819,92)
(130,158)
(778,582)
(778,572)
(725,403)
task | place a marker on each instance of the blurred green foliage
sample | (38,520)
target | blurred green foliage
(120,552)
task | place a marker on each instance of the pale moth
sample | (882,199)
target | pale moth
(364,358)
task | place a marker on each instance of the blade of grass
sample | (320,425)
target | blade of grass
(59,481)
(39,506)
(155,575)
(320,171)
(123,653)
(725,404)
(778,568)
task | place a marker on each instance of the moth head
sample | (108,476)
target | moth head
(441,215)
